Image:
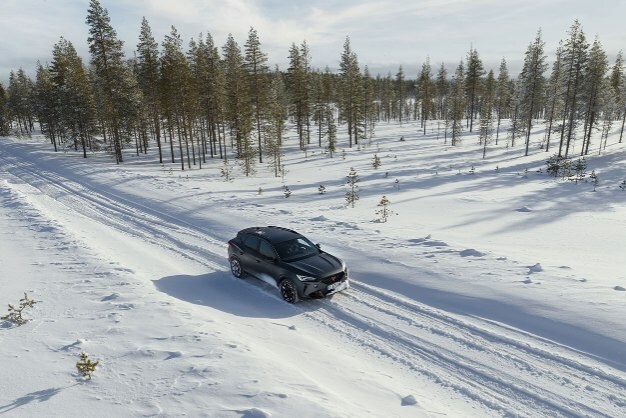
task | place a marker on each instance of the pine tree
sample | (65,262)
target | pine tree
(350,91)
(255,64)
(177,95)
(554,93)
(113,79)
(425,93)
(369,105)
(575,56)
(487,111)
(531,84)
(239,112)
(46,105)
(299,80)
(503,95)
(274,124)
(473,83)
(4,112)
(20,100)
(457,103)
(73,94)
(618,86)
(148,80)
(594,84)
(400,92)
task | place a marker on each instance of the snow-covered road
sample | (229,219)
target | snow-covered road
(370,351)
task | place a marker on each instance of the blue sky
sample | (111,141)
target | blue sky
(384,33)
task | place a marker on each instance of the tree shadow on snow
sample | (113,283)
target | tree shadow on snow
(248,297)
(38,396)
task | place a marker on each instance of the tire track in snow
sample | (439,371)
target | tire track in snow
(436,344)
(511,374)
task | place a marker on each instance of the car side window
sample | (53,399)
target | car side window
(251,242)
(266,250)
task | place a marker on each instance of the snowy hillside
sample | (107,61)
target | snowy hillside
(493,289)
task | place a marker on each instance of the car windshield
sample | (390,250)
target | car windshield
(296,249)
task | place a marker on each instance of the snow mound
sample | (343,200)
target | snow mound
(320,218)
(255,413)
(620,288)
(523,209)
(535,268)
(428,241)
(112,296)
(409,400)
(470,252)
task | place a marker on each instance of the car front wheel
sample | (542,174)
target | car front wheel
(288,291)
(235,267)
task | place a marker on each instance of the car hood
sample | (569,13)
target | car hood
(319,266)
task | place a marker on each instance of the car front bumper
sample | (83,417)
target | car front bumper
(317,290)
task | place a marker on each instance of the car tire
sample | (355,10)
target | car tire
(288,291)
(236,268)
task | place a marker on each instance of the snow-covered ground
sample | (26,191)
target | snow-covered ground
(497,292)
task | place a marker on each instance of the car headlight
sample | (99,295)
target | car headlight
(305,278)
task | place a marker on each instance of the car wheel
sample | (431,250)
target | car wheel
(235,267)
(288,291)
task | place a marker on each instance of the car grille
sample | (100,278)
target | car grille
(334,278)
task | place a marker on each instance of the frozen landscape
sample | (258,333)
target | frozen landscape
(493,290)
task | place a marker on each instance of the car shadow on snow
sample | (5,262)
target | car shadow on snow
(247,297)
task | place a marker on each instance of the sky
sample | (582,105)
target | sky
(384,33)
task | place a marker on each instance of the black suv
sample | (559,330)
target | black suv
(299,268)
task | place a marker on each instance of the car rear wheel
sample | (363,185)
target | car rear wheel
(288,291)
(235,267)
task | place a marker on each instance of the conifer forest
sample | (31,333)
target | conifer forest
(193,101)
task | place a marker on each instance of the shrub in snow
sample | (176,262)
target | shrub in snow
(376,162)
(579,168)
(384,212)
(260,191)
(226,171)
(14,314)
(352,195)
(287,192)
(594,179)
(86,367)
(622,185)
(321,189)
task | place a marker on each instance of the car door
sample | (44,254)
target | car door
(250,254)
(266,263)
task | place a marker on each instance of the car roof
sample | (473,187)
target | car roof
(273,234)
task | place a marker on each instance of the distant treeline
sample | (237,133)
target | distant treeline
(204,101)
